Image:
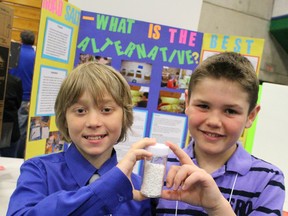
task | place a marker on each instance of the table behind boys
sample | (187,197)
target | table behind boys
(9,173)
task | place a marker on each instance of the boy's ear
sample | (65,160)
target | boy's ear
(252,116)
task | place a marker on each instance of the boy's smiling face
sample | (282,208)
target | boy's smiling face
(95,129)
(217,115)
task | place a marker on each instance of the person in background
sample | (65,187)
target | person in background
(13,99)
(221,102)
(93,112)
(24,71)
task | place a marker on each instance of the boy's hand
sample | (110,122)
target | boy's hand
(194,185)
(135,153)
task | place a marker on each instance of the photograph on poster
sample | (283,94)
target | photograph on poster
(175,78)
(173,102)
(54,143)
(140,95)
(84,57)
(39,127)
(136,72)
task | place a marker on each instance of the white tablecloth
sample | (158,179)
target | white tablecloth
(8,179)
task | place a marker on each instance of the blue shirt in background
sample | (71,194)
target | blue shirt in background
(24,69)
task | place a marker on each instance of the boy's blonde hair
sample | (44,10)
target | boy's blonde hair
(98,80)
(230,66)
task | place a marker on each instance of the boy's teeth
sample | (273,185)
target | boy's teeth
(212,135)
(94,138)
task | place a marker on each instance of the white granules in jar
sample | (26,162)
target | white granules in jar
(153,180)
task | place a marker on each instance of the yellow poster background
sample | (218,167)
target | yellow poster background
(60,14)
(247,46)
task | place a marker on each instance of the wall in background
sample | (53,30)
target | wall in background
(250,18)
(26,16)
(280,8)
(181,14)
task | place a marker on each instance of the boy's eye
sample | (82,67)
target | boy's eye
(231,111)
(106,110)
(80,110)
(203,106)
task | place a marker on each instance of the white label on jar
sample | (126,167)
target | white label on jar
(153,180)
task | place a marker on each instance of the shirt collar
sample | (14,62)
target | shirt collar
(239,162)
(77,163)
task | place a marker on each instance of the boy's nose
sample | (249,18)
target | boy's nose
(214,120)
(94,119)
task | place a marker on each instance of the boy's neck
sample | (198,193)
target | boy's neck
(209,162)
(98,160)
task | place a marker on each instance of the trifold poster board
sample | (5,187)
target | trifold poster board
(55,53)
(6,17)
(156,60)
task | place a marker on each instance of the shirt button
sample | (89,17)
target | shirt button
(121,198)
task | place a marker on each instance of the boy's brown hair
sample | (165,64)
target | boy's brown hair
(230,66)
(98,80)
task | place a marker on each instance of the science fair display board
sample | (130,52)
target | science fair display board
(156,60)
(55,53)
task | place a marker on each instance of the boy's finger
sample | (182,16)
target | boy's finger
(170,195)
(144,143)
(181,176)
(171,175)
(182,156)
(142,154)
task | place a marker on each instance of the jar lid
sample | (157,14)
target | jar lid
(159,149)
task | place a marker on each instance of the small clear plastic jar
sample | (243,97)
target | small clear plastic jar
(154,171)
